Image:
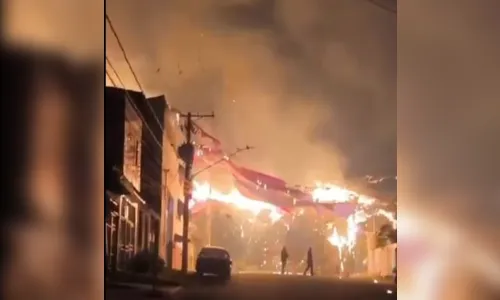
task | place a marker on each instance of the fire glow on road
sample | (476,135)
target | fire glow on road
(325,193)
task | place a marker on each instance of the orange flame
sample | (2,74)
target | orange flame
(322,193)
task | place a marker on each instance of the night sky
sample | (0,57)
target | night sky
(311,84)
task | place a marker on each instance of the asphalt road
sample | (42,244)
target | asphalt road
(268,286)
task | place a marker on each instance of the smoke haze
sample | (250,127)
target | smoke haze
(310,84)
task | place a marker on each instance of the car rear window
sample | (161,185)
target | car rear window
(213,252)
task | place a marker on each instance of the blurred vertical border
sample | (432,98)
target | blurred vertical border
(52,124)
(448,150)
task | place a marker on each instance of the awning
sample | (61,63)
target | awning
(129,187)
(126,188)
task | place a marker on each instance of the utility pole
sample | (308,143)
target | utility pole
(166,228)
(209,223)
(209,202)
(186,152)
(371,244)
(209,217)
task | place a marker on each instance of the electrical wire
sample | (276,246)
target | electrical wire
(122,48)
(384,7)
(141,116)
(148,146)
(131,102)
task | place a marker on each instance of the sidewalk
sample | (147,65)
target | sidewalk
(127,285)
(165,278)
(139,291)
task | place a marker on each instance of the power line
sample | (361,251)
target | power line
(123,51)
(187,151)
(111,79)
(147,147)
(146,180)
(128,98)
(384,7)
(122,48)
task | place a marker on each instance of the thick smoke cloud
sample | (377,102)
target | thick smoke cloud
(448,146)
(310,84)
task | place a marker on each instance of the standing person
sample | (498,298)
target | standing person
(284,259)
(309,262)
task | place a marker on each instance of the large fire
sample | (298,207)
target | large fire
(345,242)
(326,193)
(204,191)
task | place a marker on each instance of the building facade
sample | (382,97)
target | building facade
(381,260)
(132,224)
(144,179)
(174,193)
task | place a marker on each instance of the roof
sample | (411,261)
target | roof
(365,189)
(215,248)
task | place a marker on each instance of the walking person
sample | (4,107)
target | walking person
(309,266)
(284,259)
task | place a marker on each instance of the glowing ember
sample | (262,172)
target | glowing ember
(331,193)
(323,193)
(389,216)
(345,242)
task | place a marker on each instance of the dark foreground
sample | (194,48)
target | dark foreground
(261,287)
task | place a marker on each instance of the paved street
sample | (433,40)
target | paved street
(262,286)
(139,292)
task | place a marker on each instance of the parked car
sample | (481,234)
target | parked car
(214,261)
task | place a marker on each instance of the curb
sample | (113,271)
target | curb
(145,291)
(177,292)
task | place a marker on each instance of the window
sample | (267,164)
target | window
(181,171)
(180,208)
(126,210)
(170,203)
(131,239)
(214,252)
(137,153)
(140,234)
(132,146)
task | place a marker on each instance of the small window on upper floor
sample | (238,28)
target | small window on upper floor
(170,203)
(180,208)
(181,171)
(137,153)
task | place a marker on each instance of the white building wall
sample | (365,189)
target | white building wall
(173,179)
(132,146)
(385,260)
(371,239)
(382,260)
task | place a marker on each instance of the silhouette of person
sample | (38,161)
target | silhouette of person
(284,259)
(309,266)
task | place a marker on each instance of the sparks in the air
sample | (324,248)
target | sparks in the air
(204,191)
(325,192)
(322,193)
